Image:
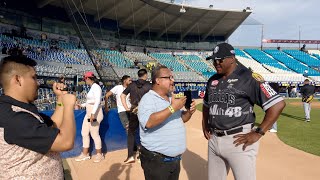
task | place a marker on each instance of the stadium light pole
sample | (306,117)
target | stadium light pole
(261,47)
(299,35)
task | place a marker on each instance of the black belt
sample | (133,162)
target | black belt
(164,157)
(220,133)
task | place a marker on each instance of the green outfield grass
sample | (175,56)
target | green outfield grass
(292,129)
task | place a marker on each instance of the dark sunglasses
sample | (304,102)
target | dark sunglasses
(220,60)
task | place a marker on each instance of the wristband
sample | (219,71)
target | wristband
(171,109)
(59,104)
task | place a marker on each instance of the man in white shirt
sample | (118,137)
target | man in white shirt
(117,90)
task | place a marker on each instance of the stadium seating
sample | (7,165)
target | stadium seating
(240,53)
(292,63)
(138,56)
(315,53)
(252,64)
(303,57)
(287,66)
(264,58)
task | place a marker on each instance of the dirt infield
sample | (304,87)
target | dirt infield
(276,160)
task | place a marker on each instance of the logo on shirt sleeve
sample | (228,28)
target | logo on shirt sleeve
(258,77)
(267,90)
(214,83)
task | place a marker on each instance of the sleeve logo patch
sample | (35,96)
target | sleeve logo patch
(214,83)
(258,77)
(267,90)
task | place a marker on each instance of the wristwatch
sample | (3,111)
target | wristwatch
(259,131)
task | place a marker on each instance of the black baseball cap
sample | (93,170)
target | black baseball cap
(222,51)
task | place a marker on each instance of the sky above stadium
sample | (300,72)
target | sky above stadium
(281,19)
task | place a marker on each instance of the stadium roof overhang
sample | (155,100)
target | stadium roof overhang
(160,17)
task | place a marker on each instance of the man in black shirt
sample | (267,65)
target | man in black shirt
(30,141)
(307,92)
(228,115)
(136,90)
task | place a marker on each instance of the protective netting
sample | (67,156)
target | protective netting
(91,41)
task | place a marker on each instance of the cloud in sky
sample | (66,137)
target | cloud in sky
(282,19)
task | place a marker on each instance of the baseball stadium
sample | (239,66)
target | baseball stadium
(112,38)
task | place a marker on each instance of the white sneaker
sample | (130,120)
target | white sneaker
(82,157)
(273,130)
(97,158)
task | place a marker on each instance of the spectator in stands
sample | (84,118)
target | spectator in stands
(117,90)
(15,52)
(30,141)
(14,32)
(39,51)
(92,119)
(307,92)
(162,131)
(4,50)
(145,50)
(303,48)
(136,90)
(23,32)
(43,37)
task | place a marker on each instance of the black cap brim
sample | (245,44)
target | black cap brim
(209,57)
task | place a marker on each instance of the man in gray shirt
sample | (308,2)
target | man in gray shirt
(228,115)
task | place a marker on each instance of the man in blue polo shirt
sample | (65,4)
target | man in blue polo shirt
(162,131)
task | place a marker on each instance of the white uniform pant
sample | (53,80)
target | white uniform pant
(91,128)
(223,155)
(307,109)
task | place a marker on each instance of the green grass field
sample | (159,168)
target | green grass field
(292,129)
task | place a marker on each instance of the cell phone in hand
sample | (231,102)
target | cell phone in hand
(189,99)
(94,120)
